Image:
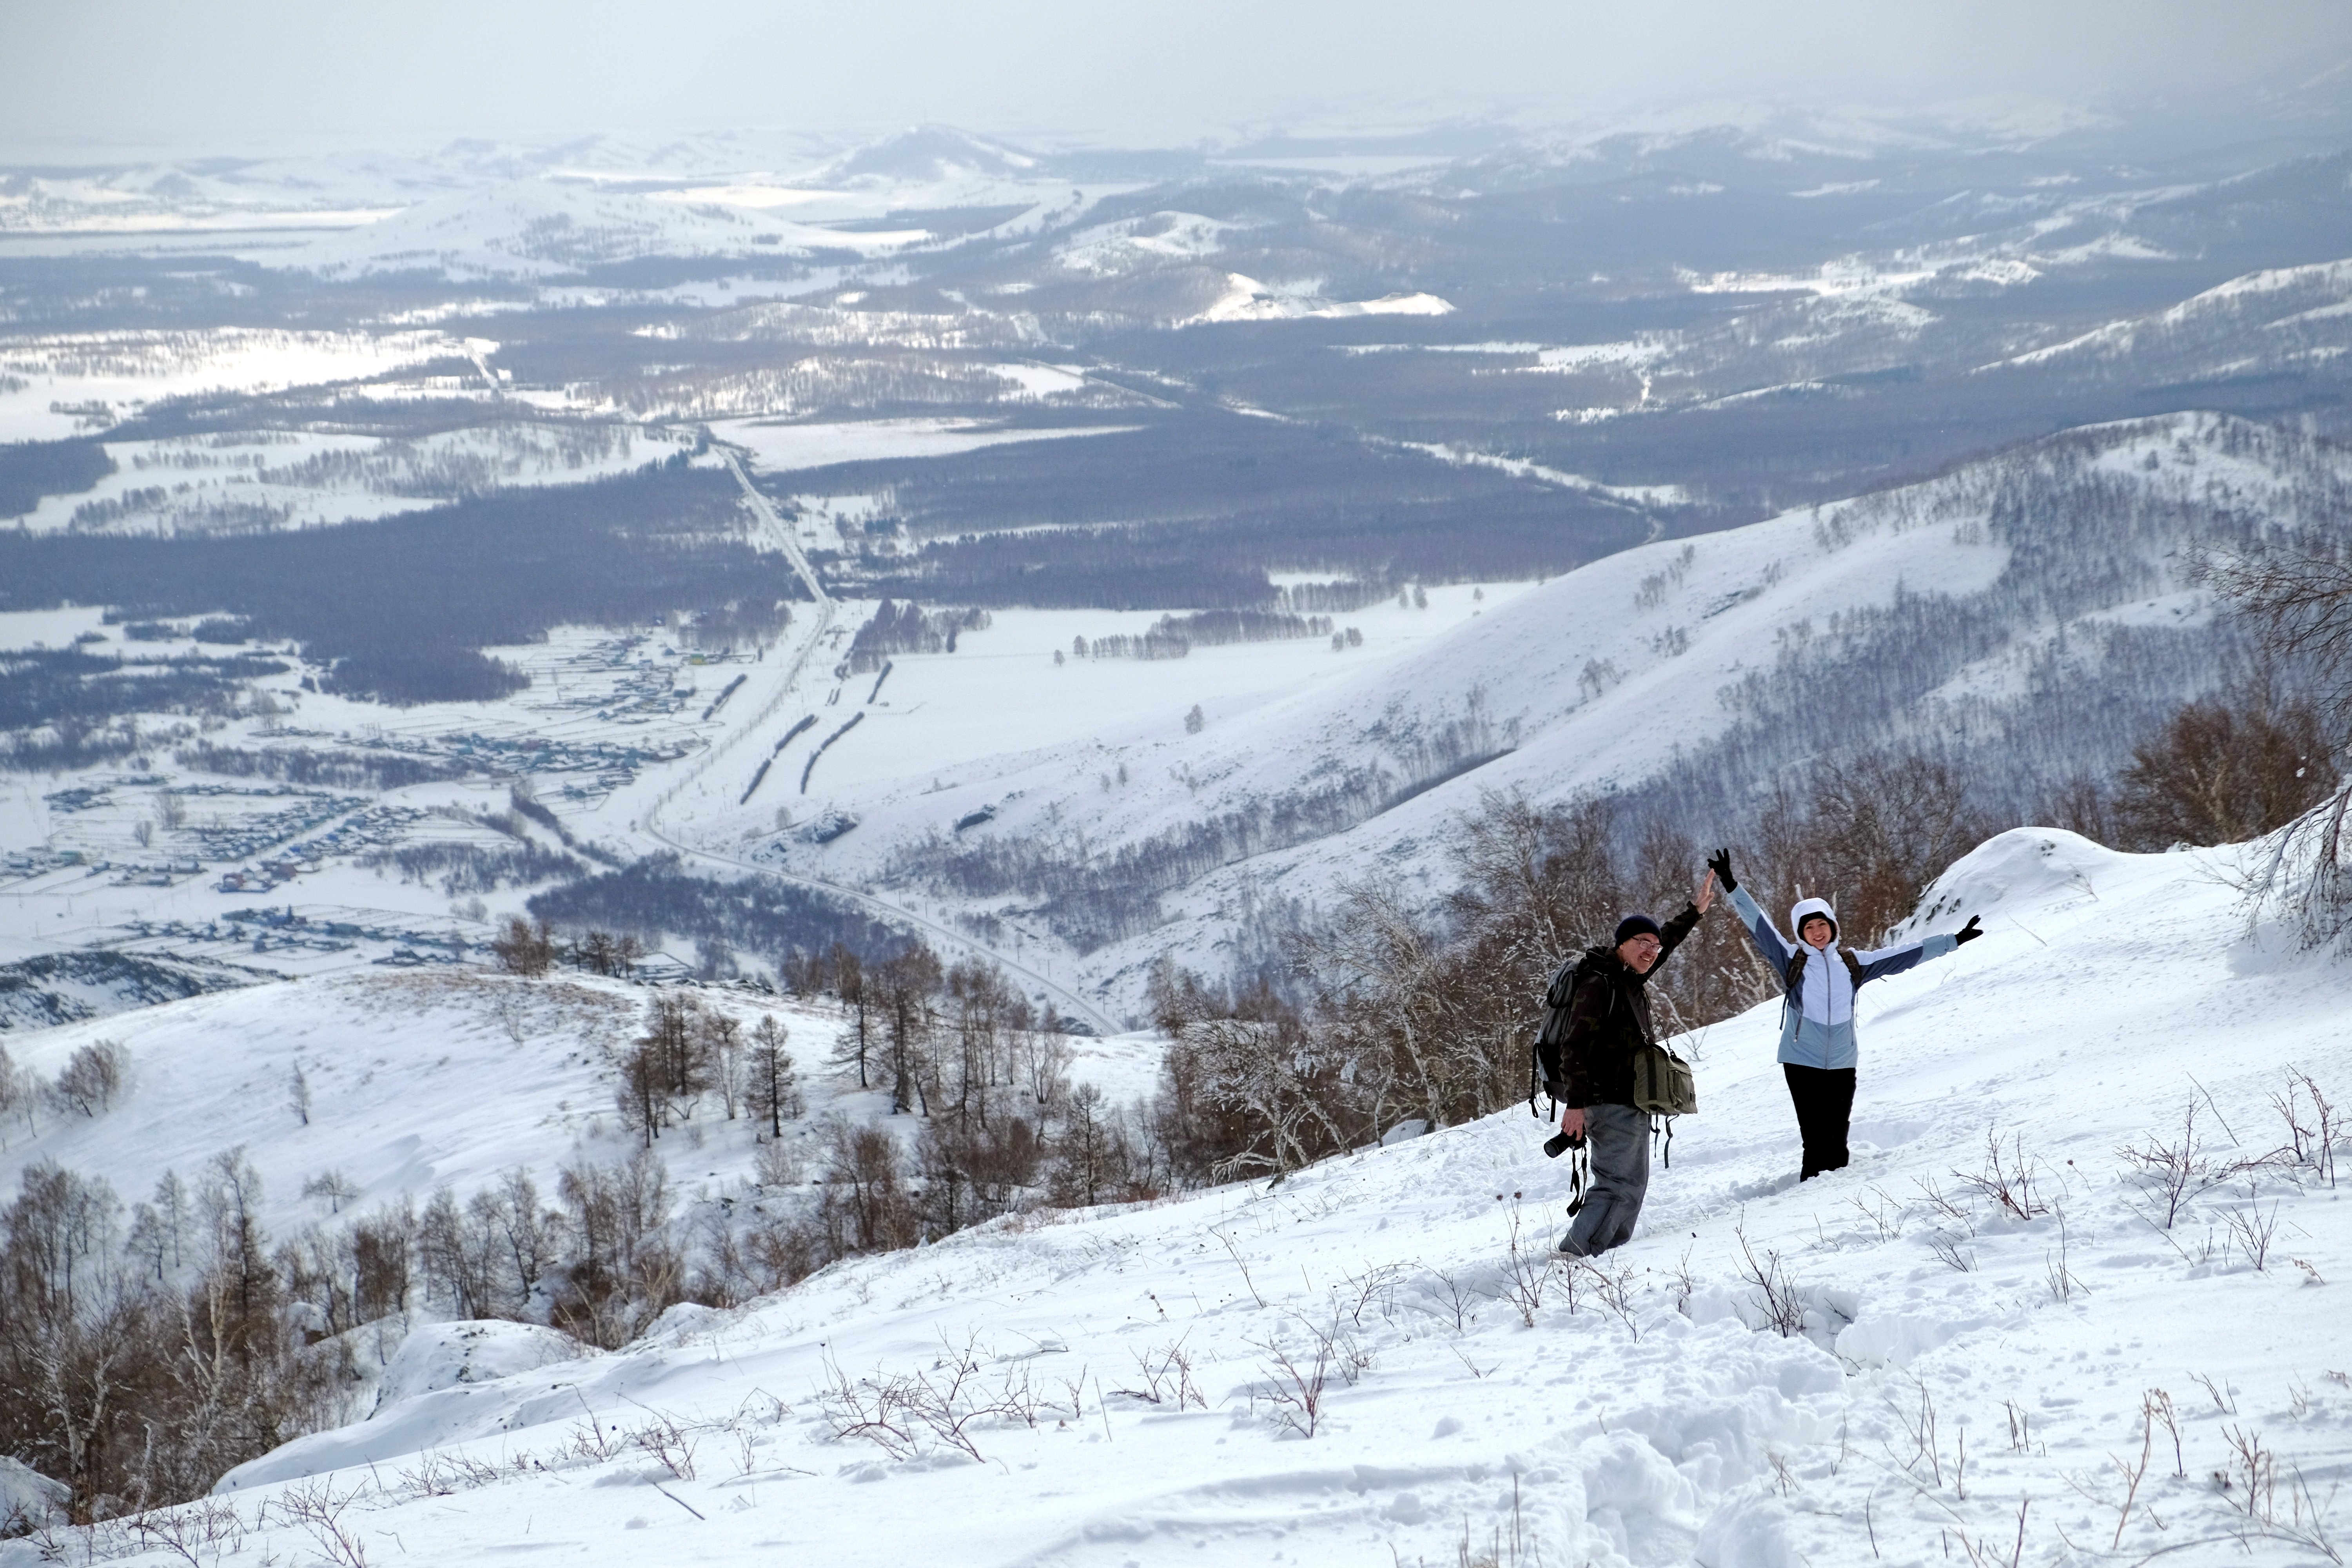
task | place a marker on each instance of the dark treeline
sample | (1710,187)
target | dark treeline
(1222,564)
(229,629)
(897,628)
(1079,568)
(45,686)
(1109,520)
(403,607)
(1213,628)
(331,770)
(62,709)
(1174,636)
(743,622)
(754,915)
(31,470)
(826,744)
(474,869)
(523,801)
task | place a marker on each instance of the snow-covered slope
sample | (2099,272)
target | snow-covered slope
(1130,1386)
(536,227)
(1247,299)
(2281,321)
(413,1080)
(2006,608)
(64,987)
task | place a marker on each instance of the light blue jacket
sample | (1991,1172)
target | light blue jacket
(1817,1027)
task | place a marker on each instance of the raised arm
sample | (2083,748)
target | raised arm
(1671,934)
(1768,941)
(1911,954)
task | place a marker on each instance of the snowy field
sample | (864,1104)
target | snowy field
(1000,698)
(68,385)
(1376,1360)
(605,707)
(781,447)
(297,479)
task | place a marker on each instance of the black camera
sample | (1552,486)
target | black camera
(1560,1143)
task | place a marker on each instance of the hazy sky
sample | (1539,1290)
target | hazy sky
(224,73)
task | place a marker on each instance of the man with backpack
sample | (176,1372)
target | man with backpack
(1608,1022)
(1818,980)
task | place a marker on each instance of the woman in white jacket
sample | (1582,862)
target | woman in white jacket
(1819,980)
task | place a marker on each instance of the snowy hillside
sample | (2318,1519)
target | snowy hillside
(535,227)
(416,1080)
(1894,1362)
(60,384)
(1925,616)
(2270,322)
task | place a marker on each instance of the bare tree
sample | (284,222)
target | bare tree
(1869,833)
(73,1327)
(2299,600)
(522,947)
(335,1187)
(380,1251)
(20,1092)
(91,1079)
(2225,769)
(850,985)
(909,984)
(722,1045)
(531,1235)
(775,1094)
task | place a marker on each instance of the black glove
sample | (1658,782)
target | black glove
(1721,866)
(1968,933)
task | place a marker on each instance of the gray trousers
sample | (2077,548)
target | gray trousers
(1619,1139)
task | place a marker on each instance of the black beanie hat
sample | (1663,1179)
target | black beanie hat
(1633,926)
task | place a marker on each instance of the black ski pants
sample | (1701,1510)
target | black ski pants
(1824,1101)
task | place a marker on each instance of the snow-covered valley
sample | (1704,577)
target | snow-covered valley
(607,746)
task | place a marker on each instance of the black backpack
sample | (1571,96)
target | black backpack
(1547,1073)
